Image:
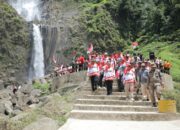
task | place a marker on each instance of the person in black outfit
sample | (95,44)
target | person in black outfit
(109,84)
(94,82)
(120,83)
(100,79)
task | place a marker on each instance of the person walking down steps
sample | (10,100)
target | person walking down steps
(94,73)
(129,81)
(143,80)
(109,76)
(154,79)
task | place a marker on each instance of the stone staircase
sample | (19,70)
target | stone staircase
(98,106)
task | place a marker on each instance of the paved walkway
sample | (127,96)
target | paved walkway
(75,124)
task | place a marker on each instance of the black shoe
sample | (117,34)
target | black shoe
(154,105)
(109,93)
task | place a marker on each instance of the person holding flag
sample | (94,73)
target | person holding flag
(90,48)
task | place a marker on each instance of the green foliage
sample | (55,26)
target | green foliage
(100,28)
(42,86)
(112,24)
(14,37)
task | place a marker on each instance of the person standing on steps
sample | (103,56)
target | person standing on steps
(94,73)
(129,81)
(119,76)
(153,79)
(101,67)
(109,76)
(143,80)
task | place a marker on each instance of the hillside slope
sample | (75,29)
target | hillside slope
(14,43)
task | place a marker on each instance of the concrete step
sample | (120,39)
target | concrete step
(122,115)
(97,92)
(112,97)
(112,102)
(114,108)
(115,89)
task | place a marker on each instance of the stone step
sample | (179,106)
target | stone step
(100,88)
(114,108)
(100,92)
(112,97)
(122,115)
(112,102)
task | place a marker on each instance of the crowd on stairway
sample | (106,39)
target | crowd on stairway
(133,73)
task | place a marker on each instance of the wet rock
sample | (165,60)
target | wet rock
(33,106)
(16,112)
(5,94)
(22,99)
(1,84)
(12,79)
(43,81)
(32,100)
(36,93)
(26,89)
(2,108)
(12,73)
(19,117)
(6,107)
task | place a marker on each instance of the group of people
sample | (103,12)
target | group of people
(78,64)
(132,73)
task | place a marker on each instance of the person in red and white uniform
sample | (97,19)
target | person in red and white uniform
(129,80)
(94,73)
(109,76)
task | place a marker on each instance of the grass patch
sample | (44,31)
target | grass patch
(44,87)
(20,124)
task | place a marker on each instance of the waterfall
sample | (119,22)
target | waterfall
(30,11)
(38,54)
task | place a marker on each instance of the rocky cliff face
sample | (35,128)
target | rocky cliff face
(60,22)
(14,45)
(50,39)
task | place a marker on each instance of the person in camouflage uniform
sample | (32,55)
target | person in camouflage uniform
(154,79)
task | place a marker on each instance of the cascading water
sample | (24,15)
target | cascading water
(29,10)
(38,54)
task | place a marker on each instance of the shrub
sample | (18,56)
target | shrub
(44,87)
